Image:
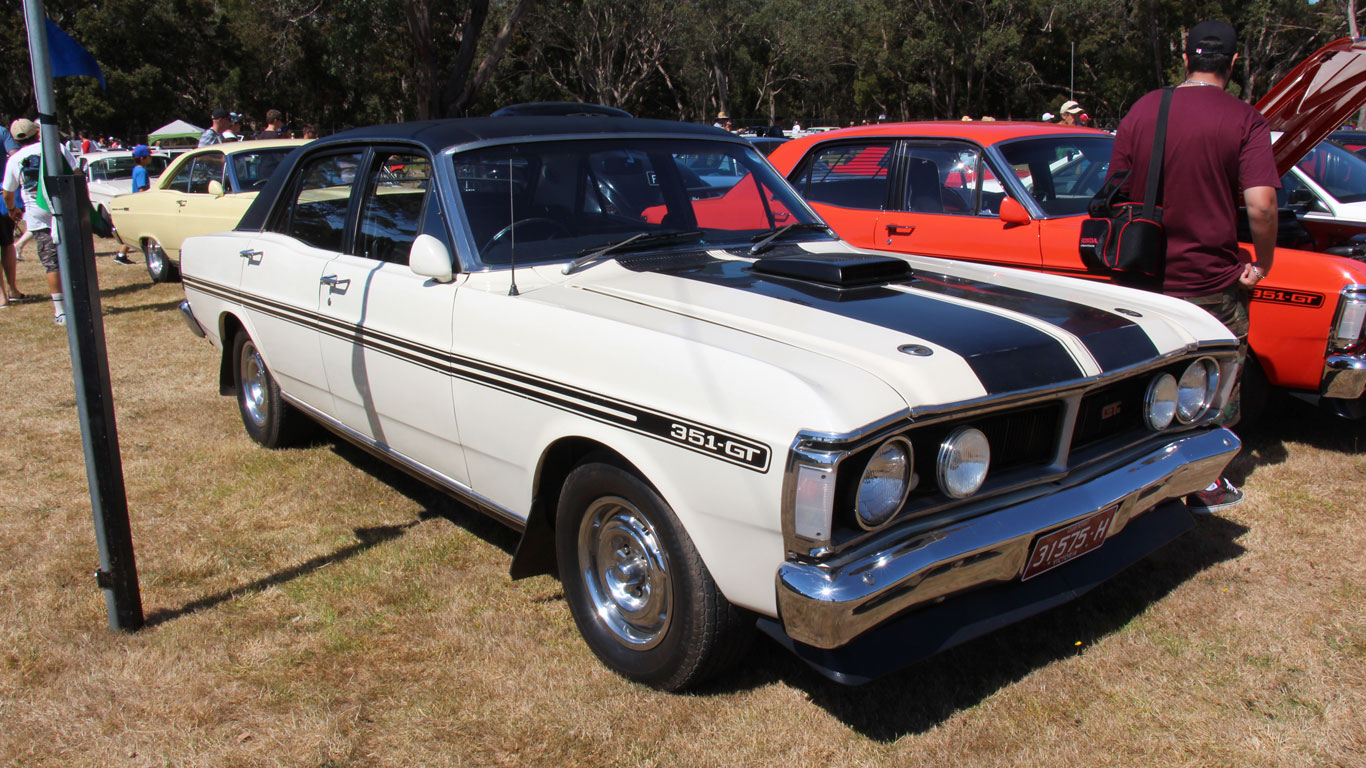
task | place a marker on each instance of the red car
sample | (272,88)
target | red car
(1015,194)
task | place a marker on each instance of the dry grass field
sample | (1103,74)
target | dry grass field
(314,608)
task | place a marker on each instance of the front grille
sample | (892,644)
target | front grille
(1021,438)
(1110,411)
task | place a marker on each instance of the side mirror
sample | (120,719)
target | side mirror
(1012,213)
(216,188)
(429,258)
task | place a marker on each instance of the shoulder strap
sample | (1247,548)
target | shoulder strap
(1155,161)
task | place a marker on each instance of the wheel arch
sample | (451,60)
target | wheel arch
(228,326)
(535,553)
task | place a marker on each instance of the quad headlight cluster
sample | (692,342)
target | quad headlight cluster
(960,468)
(1182,400)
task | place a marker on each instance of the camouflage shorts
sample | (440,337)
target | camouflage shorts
(1230,307)
(47,250)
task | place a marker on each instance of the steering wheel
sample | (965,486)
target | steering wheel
(555,229)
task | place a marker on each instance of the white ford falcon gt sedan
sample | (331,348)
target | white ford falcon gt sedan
(699,407)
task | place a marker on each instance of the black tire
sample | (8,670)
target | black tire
(159,266)
(268,419)
(639,592)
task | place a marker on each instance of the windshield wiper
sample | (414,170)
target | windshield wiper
(764,240)
(638,240)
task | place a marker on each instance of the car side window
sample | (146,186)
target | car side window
(391,211)
(207,168)
(941,178)
(181,181)
(847,175)
(316,214)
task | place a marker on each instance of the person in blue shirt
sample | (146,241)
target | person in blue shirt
(142,155)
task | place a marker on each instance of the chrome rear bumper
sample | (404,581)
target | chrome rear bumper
(1344,377)
(187,315)
(827,604)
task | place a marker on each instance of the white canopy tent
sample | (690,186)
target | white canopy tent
(178,129)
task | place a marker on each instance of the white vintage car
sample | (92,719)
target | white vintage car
(708,413)
(109,174)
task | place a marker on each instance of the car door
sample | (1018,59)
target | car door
(389,331)
(849,184)
(946,202)
(155,212)
(284,267)
(206,208)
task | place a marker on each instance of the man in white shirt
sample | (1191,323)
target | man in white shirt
(22,176)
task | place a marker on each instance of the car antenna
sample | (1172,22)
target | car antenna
(512,234)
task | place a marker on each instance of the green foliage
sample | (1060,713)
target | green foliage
(826,62)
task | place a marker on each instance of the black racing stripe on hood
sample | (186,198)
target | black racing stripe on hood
(1005,354)
(1114,340)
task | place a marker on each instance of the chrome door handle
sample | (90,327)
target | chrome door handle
(900,229)
(334,281)
(181,203)
(250,255)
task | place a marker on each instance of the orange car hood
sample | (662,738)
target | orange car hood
(1315,98)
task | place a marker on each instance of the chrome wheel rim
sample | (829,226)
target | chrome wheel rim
(253,384)
(626,573)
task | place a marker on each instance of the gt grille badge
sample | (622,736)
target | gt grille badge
(1110,411)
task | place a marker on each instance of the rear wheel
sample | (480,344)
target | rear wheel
(639,592)
(269,420)
(159,265)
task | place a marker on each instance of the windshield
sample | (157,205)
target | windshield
(553,201)
(253,169)
(1061,173)
(1341,173)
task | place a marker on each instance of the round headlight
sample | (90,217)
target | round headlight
(885,482)
(964,457)
(1160,404)
(1196,390)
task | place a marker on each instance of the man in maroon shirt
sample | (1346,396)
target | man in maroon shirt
(1216,145)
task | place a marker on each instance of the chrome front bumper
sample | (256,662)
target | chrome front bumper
(827,604)
(1344,377)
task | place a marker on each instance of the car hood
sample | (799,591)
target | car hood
(946,332)
(1316,97)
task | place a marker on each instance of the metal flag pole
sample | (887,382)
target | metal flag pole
(118,573)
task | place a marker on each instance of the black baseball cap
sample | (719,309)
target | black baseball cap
(220,113)
(1222,31)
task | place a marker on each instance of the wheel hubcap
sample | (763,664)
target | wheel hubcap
(626,572)
(155,259)
(253,384)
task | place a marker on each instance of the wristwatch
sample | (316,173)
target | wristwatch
(1259,273)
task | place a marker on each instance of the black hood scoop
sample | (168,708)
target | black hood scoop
(836,269)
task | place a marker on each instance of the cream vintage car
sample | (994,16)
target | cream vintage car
(206,190)
(701,409)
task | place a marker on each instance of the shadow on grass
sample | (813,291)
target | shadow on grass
(165,306)
(121,290)
(1291,420)
(365,539)
(433,504)
(929,692)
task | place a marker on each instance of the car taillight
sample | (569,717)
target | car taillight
(1350,319)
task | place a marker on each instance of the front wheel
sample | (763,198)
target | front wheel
(269,420)
(637,588)
(159,265)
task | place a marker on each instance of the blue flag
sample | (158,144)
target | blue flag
(67,57)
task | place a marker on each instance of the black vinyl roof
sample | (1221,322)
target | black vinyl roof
(436,135)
